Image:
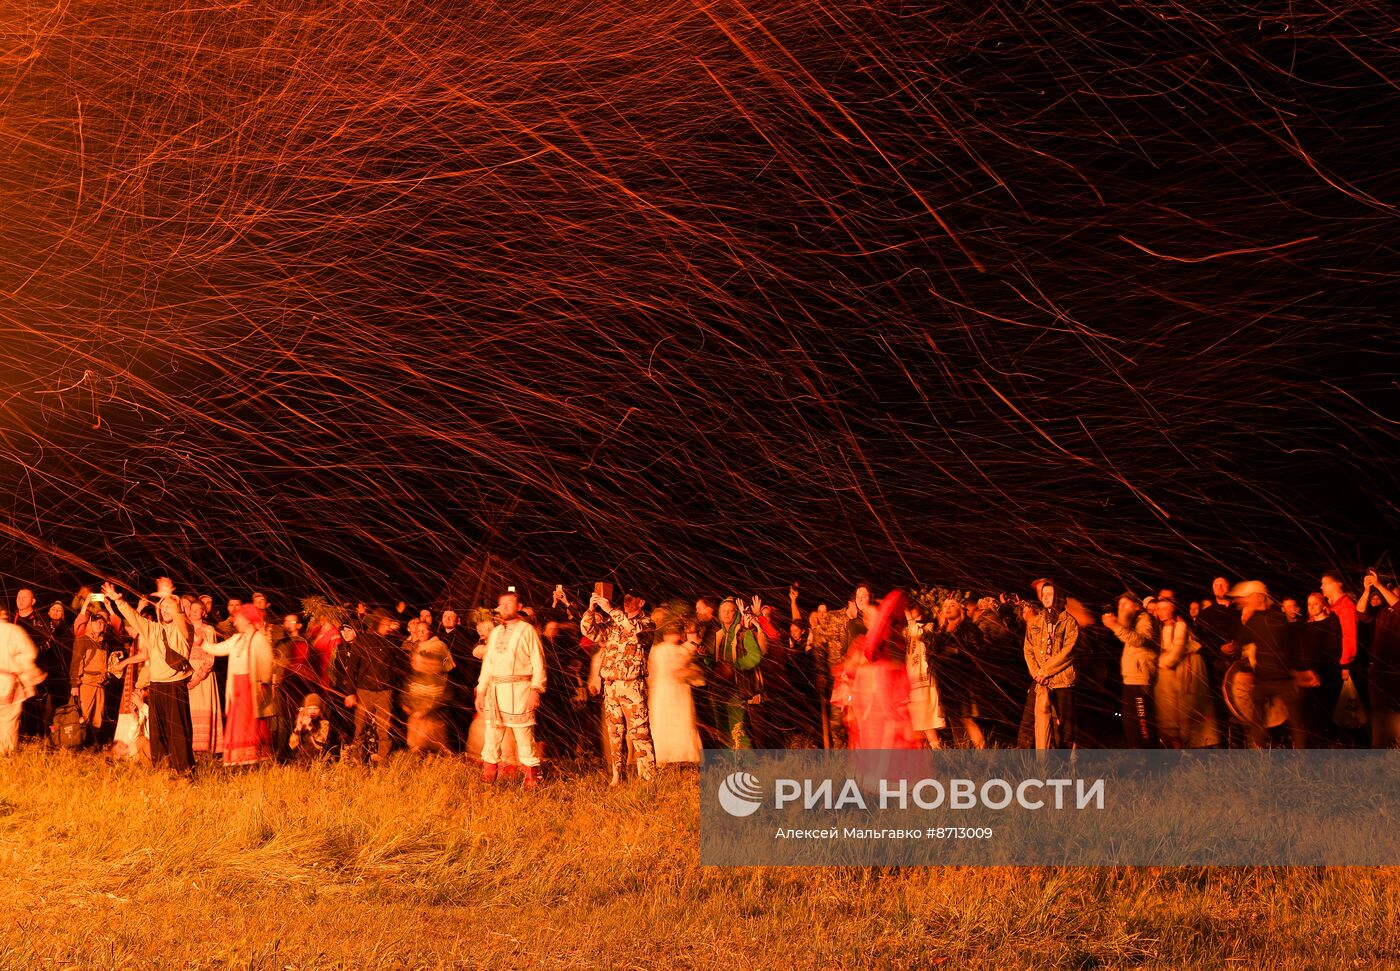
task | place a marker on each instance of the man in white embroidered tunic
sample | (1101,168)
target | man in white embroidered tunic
(508,691)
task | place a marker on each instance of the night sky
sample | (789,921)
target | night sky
(706,296)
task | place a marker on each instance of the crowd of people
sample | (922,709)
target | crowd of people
(158,678)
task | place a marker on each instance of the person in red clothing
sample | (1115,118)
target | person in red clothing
(1344,608)
(324,639)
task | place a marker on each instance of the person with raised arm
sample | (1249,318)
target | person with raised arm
(249,688)
(1383,681)
(165,647)
(621,679)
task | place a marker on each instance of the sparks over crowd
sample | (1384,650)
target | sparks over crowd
(156,678)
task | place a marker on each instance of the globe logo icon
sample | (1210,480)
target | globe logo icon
(740,794)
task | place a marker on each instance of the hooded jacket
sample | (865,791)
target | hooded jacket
(741,647)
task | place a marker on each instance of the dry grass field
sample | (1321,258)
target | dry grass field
(418,865)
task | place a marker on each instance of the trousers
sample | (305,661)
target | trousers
(495,733)
(172,730)
(628,723)
(9,727)
(374,711)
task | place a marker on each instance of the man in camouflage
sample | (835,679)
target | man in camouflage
(832,633)
(623,638)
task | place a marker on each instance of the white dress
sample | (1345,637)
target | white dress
(671,672)
(925,712)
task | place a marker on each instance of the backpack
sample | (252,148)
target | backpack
(69,727)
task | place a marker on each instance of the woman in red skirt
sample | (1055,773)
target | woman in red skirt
(248,690)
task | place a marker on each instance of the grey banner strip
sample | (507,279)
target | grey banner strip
(1086,808)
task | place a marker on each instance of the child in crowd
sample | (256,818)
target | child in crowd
(312,731)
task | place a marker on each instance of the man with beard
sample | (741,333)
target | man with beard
(509,690)
(165,647)
(226,628)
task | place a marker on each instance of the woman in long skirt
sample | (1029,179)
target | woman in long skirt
(129,710)
(206,713)
(925,713)
(1185,708)
(252,700)
(425,694)
(671,673)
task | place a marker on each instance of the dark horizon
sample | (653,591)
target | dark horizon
(707,299)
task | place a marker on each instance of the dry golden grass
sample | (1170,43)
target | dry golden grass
(418,865)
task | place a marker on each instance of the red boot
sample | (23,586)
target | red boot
(488,772)
(531,777)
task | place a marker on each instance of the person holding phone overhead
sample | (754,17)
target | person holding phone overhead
(165,647)
(621,677)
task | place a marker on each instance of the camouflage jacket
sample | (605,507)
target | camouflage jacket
(622,642)
(830,639)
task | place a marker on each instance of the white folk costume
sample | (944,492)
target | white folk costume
(925,710)
(672,672)
(206,708)
(512,667)
(19,678)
